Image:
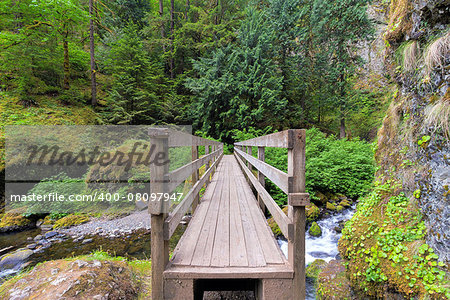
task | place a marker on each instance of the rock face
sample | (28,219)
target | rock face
(14,260)
(414,138)
(81,279)
(332,282)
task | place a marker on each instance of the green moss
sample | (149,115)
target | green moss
(333,283)
(339,208)
(14,219)
(71,220)
(383,244)
(314,268)
(315,229)
(312,213)
(345,203)
(330,206)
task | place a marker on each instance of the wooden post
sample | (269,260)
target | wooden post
(195,177)
(158,184)
(208,163)
(296,246)
(261,157)
(249,151)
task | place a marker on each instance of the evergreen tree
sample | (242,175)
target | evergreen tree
(133,96)
(239,86)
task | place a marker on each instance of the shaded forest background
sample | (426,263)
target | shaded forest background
(217,64)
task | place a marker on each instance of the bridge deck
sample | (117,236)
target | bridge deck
(228,237)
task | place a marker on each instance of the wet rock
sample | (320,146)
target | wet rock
(32,246)
(314,268)
(315,229)
(330,206)
(50,234)
(15,259)
(86,241)
(322,198)
(332,282)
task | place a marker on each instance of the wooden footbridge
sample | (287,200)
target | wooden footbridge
(228,244)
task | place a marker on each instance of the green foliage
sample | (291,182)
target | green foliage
(385,249)
(132,98)
(238,86)
(332,165)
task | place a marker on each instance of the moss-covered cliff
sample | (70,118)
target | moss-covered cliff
(397,242)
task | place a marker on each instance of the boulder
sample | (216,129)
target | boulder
(315,229)
(333,283)
(330,206)
(314,268)
(15,259)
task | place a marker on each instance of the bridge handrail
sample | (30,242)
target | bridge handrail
(292,183)
(163,225)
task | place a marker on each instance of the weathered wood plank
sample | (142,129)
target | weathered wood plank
(238,250)
(278,177)
(280,218)
(255,255)
(176,177)
(186,247)
(178,138)
(221,250)
(271,251)
(261,157)
(189,272)
(175,217)
(203,251)
(277,139)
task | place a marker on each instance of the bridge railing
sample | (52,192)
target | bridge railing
(163,222)
(292,183)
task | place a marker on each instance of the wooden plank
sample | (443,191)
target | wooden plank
(272,252)
(238,250)
(277,139)
(195,176)
(190,272)
(278,177)
(255,255)
(221,250)
(298,199)
(175,217)
(261,157)
(204,249)
(185,249)
(176,177)
(279,216)
(178,138)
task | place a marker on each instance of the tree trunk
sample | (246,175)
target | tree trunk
(66,59)
(161,13)
(342,128)
(172,27)
(188,4)
(92,53)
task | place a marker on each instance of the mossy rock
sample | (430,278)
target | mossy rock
(315,229)
(14,221)
(333,283)
(345,203)
(339,208)
(322,198)
(330,206)
(70,279)
(71,220)
(332,197)
(312,213)
(273,225)
(314,268)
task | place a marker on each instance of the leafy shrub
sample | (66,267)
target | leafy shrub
(332,165)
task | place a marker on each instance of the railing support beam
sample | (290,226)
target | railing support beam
(158,184)
(261,157)
(296,246)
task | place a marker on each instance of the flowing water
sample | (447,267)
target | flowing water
(323,247)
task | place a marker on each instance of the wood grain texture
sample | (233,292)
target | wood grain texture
(228,233)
